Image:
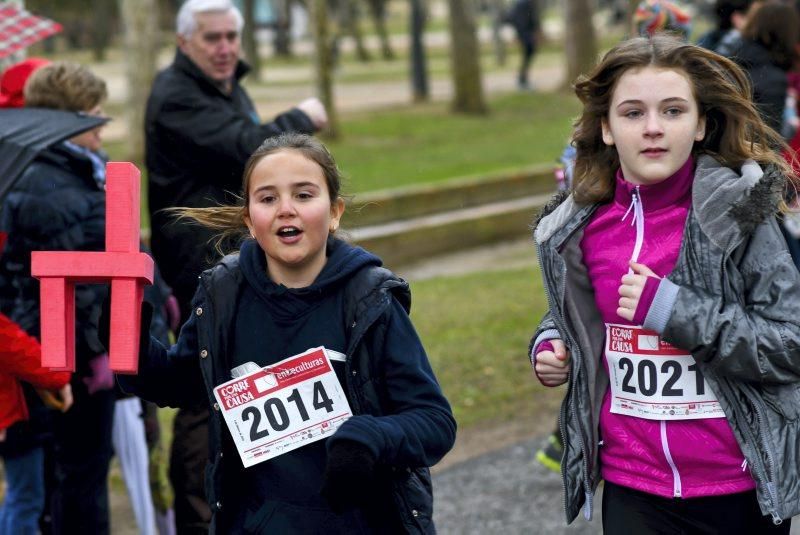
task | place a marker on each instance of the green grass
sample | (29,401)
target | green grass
(426,143)
(480,356)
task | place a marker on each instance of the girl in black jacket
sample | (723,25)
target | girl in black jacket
(293,288)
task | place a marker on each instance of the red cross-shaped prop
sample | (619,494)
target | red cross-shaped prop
(122,263)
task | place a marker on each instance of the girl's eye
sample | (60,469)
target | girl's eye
(633,114)
(304,195)
(673,111)
(267,199)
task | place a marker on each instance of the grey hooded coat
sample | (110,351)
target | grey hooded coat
(732,300)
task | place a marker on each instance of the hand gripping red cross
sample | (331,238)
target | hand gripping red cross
(122,263)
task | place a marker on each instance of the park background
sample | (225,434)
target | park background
(446,162)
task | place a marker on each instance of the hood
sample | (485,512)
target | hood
(344,260)
(730,204)
(61,157)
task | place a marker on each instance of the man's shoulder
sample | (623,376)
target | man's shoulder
(171,81)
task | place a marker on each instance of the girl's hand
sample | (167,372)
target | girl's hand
(631,289)
(552,367)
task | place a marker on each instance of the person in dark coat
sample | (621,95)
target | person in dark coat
(767,51)
(59,205)
(200,128)
(731,17)
(523,16)
(293,288)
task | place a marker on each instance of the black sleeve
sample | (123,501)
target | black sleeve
(202,127)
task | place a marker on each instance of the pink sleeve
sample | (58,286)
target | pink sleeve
(544,345)
(646,299)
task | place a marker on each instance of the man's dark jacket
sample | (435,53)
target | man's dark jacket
(187,375)
(198,139)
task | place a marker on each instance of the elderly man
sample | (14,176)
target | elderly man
(200,128)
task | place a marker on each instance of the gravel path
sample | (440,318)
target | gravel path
(504,491)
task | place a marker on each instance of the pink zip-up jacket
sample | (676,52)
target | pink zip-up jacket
(687,458)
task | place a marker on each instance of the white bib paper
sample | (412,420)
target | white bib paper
(653,380)
(282,407)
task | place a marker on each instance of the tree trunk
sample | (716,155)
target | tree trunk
(323,64)
(283,27)
(378,10)
(141,44)
(353,18)
(465,59)
(101,23)
(249,39)
(580,45)
(419,70)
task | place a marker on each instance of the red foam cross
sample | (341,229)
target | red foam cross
(128,270)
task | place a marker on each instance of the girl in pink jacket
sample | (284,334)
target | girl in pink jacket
(666,314)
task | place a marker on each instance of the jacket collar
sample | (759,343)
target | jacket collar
(60,156)
(669,192)
(183,63)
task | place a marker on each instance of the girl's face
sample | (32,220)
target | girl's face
(290,214)
(653,121)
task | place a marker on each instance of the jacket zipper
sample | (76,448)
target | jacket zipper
(638,219)
(676,476)
(769,469)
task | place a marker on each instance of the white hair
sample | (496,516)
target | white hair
(186,23)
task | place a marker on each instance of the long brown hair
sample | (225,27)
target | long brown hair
(735,131)
(229,220)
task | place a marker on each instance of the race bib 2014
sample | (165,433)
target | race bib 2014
(282,407)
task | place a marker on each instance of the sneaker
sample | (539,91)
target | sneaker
(550,455)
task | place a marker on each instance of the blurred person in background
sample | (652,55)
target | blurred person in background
(23,461)
(731,17)
(523,16)
(767,51)
(58,204)
(25,401)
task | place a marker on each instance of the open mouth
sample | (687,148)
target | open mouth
(288,232)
